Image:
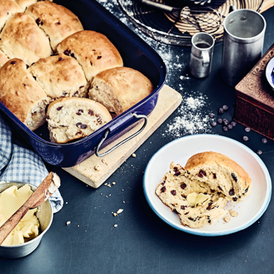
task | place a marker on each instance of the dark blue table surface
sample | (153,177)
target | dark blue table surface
(142,243)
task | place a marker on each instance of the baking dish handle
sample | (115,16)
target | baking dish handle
(137,116)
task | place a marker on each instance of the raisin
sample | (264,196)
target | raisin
(246,190)
(209,206)
(67,52)
(177,173)
(163,189)
(184,196)
(201,173)
(231,192)
(191,219)
(173,192)
(38,21)
(99,57)
(175,211)
(235,199)
(59,108)
(79,112)
(60,59)
(79,124)
(214,175)
(90,112)
(83,126)
(183,207)
(220,188)
(234,177)
(183,186)
(13,62)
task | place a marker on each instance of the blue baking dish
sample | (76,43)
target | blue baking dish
(136,54)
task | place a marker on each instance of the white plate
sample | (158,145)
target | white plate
(250,209)
(269,72)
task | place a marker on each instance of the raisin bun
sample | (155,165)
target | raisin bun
(7,9)
(73,118)
(119,88)
(221,173)
(93,50)
(25,3)
(22,95)
(22,38)
(60,76)
(193,201)
(55,20)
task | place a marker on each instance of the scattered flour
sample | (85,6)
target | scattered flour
(190,117)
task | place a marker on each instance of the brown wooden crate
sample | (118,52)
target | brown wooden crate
(254,106)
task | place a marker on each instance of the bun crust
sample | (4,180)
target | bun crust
(22,95)
(119,88)
(92,50)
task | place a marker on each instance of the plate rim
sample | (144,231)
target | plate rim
(182,228)
(268,72)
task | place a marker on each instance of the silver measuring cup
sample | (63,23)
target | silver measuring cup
(244,32)
(202,45)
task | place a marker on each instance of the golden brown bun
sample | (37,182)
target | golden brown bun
(25,3)
(3,58)
(73,118)
(60,76)
(119,88)
(221,173)
(92,50)
(22,38)
(7,9)
(55,20)
(21,94)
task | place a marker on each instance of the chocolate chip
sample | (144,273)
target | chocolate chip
(173,192)
(183,186)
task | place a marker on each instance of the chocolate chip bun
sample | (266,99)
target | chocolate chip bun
(199,192)
(221,173)
(22,38)
(60,76)
(73,118)
(119,88)
(22,95)
(7,9)
(55,20)
(93,50)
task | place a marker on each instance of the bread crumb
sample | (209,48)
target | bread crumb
(227,219)
(115,225)
(113,183)
(104,162)
(68,223)
(120,211)
(233,213)
(97,168)
(133,155)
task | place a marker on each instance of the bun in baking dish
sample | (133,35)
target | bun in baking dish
(60,76)
(93,50)
(22,38)
(199,192)
(55,20)
(73,118)
(119,88)
(22,95)
(7,9)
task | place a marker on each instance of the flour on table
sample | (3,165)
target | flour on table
(190,117)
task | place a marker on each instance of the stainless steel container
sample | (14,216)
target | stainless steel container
(45,217)
(244,32)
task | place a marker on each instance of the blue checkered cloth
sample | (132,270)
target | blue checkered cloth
(18,163)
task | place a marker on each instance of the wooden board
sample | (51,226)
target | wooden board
(94,171)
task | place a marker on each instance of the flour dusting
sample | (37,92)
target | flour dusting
(190,117)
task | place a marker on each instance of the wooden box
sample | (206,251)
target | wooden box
(254,106)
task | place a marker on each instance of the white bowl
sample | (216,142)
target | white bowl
(250,209)
(269,73)
(45,218)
